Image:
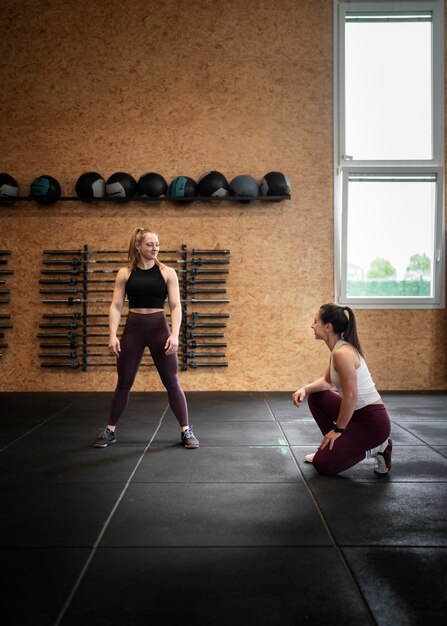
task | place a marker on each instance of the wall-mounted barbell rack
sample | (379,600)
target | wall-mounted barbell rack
(5,316)
(78,285)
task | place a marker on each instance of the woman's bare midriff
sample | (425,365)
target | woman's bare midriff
(145,311)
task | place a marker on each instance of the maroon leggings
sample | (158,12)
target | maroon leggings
(368,428)
(151,330)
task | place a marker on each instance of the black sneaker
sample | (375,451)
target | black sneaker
(188,439)
(107,436)
(384,459)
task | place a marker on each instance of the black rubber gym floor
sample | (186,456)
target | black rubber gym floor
(238,532)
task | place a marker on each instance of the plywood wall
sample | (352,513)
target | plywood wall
(182,87)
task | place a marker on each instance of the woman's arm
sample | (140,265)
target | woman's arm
(344,362)
(321,384)
(116,307)
(175,307)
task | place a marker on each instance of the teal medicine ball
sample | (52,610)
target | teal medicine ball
(45,189)
(183,189)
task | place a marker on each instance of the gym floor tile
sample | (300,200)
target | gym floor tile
(441,449)
(54,515)
(302,433)
(402,585)
(433,433)
(283,408)
(224,434)
(243,464)
(419,414)
(384,514)
(400,436)
(39,582)
(238,406)
(69,463)
(215,514)
(213,586)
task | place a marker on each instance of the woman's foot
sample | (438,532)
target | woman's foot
(309,458)
(188,439)
(105,438)
(384,459)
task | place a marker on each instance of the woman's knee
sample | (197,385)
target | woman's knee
(325,465)
(314,400)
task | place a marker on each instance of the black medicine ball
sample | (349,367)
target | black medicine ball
(152,185)
(213,184)
(275,184)
(9,188)
(45,189)
(121,185)
(244,186)
(182,189)
(91,185)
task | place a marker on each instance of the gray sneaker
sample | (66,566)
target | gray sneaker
(384,459)
(106,437)
(188,439)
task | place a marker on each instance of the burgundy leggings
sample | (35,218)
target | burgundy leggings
(151,330)
(368,428)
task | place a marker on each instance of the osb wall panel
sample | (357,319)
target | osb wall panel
(181,88)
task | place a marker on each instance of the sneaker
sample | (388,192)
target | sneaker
(384,459)
(188,439)
(107,436)
(309,458)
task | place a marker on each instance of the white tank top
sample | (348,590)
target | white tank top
(366,389)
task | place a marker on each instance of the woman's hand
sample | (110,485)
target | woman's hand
(329,439)
(171,345)
(299,396)
(114,345)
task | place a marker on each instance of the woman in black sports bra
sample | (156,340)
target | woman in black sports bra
(147,283)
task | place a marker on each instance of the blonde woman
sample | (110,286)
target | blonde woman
(147,283)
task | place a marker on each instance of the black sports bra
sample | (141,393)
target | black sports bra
(146,289)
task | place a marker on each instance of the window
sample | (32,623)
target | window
(389,154)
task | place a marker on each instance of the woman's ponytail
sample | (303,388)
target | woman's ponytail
(343,323)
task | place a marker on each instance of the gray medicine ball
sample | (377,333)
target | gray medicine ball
(244,188)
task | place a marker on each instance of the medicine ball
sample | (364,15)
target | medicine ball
(9,188)
(45,189)
(275,184)
(212,184)
(183,189)
(121,185)
(91,185)
(243,186)
(152,185)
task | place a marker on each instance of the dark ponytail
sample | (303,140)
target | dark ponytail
(342,324)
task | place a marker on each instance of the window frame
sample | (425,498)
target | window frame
(344,167)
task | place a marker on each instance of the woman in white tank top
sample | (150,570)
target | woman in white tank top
(345,402)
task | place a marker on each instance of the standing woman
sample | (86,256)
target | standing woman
(147,283)
(354,421)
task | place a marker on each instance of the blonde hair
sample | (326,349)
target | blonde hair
(137,237)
